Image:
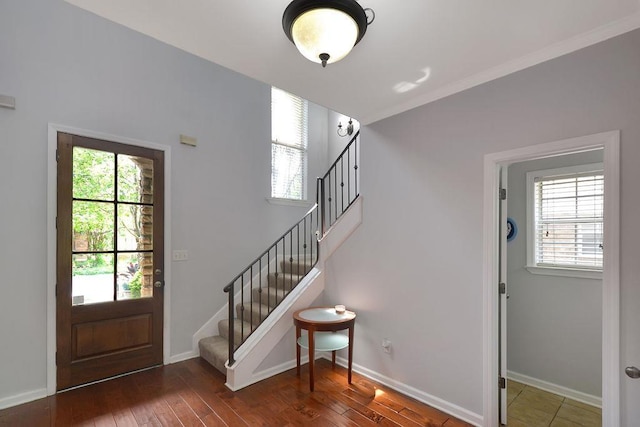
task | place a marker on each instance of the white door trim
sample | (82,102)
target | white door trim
(52,170)
(610,141)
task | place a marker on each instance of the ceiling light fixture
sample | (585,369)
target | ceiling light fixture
(325,31)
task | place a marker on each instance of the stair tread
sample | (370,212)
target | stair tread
(286,274)
(239,327)
(302,262)
(259,310)
(269,295)
(215,350)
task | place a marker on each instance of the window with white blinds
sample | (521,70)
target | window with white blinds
(568,217)
(288,145)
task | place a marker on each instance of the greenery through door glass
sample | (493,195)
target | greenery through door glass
(112,236)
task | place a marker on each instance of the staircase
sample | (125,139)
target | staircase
(260,298)
(249,315)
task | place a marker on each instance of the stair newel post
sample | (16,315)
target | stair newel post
(229,289)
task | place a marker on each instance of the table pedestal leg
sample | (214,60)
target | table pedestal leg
(350,351)
(312,353)
(333,359)
(297,351)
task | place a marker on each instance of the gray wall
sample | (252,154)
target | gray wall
(413,271)
(67,66)
(554,323)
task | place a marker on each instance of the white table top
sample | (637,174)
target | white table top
(325,314)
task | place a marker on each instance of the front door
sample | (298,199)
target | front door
(110,271)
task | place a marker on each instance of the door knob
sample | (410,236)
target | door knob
(158,284)
(632,372)
(158,272)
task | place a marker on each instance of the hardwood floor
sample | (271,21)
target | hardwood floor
(192,393)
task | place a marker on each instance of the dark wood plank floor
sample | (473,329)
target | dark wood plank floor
(192,393)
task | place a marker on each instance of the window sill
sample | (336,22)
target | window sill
(289,202)
(565,272)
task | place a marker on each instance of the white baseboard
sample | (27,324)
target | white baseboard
(183,356)
(275,370)
(18,399)
(556,389)
(447,407)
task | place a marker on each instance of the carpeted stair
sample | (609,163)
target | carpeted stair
(251,313)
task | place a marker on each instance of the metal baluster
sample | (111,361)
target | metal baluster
(231,332)
(322,215)
(284,264)
(251,296)
(342,181)
(355,160)
(298,236)
(335,192)
(349,175)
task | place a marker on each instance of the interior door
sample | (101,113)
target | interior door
(502,295)
(110,253)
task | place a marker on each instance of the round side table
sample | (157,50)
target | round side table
(321,323)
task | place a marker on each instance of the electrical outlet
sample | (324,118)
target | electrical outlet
(386,345)
(180,255)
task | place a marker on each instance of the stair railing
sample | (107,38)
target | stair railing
(298,245)
(339,186)
(336,191)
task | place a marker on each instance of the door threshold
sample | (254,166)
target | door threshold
(108,379)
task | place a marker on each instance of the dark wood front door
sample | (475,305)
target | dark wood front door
(110,259)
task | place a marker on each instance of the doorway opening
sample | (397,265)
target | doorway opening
(553,282)
(495,367)
(107,240)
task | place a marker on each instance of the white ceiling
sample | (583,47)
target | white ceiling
(415,52)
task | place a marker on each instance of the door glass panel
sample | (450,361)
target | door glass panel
(135,179)
(135,227)
(93,226)
(93,174)
(135,275)
(92,278)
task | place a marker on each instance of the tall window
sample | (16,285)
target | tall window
(567,216)
(288,146)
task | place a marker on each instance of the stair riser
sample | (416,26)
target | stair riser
(282,281)
(251,314)
(239,329)
(268,296)
(296,267)
(215,350)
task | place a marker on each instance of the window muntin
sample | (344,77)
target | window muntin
(567,209)
(288,145)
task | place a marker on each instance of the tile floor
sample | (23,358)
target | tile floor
(532,407)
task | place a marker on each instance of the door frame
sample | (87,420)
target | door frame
(52,170)
(610,142)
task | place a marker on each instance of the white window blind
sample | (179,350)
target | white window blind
(569,220)
(288,145)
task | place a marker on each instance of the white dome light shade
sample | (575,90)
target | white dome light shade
(328,31)
(325,31)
